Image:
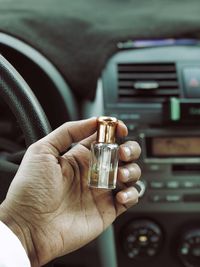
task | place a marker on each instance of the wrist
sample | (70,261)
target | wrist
(22,231)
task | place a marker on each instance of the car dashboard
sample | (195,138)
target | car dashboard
(153,86)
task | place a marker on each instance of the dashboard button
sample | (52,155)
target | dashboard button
(131,238)
(156,198)
(154,238)
(151,252)
(133,253)
(157,184)
(173,184)
(173,198)
(189,184)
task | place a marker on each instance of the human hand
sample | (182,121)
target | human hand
(49,204)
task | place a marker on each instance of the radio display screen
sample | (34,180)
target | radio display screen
(173,146)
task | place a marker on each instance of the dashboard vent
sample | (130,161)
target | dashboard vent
(155,80)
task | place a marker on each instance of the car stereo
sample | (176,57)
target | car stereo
(169,146)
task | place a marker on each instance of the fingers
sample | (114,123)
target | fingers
(127,177)
(73,132)
(128,196)
(129,173)
(68,133)
(129,151)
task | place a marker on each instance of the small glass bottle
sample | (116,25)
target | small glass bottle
(104,155)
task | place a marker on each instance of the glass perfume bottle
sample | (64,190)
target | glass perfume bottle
(104,155)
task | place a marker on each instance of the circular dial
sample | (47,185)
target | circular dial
(142,239)
(189,249)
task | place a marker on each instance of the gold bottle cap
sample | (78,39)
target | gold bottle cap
(106,129)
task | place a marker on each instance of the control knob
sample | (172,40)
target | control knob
(142,239)
(189,248)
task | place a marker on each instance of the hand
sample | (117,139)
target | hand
(49,204)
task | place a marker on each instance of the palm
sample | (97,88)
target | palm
(85,212)
(68,208)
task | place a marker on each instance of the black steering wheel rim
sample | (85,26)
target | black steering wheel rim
(29,114)
(23,103)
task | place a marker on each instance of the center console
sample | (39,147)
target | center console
(156,92)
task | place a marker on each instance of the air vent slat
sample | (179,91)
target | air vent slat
(147,80)
(165,84)
(148,76)
(127,92)
(146,68)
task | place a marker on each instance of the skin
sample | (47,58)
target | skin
(49,205)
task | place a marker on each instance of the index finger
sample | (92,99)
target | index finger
(75,131)
(70,132)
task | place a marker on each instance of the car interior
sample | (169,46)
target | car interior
(138,61)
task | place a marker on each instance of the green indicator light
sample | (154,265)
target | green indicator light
(175,109)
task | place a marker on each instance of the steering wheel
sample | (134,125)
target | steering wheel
(28,112)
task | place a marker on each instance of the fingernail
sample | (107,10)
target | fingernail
(125,174)
(125,196)
(127,151)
